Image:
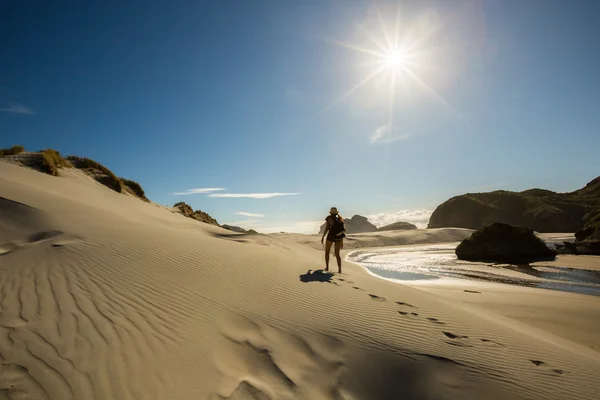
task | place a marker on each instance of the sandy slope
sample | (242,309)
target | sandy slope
(571,316)
(107,297)
(387,238)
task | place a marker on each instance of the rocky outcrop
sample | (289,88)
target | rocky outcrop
(537,209)
(234,228)
(585,233)
(397,226)
(188,211)
(591,247)
(587,240)
(503,243)
(356,224)
(591,232)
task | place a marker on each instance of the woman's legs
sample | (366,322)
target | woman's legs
(338,247)
(327,251)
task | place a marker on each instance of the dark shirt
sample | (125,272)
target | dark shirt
(332,235)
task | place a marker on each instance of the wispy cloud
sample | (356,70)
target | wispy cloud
(197,191)
(251,215)
(18,109)
(384,135)
(251,195)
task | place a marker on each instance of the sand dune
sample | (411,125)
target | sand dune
(104,296)
(387,238)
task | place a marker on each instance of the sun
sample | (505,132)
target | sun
(397,54)
(395,59)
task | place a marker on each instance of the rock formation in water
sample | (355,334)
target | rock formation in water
(503,243)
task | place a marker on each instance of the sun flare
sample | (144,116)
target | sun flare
(397,53)
(394,59)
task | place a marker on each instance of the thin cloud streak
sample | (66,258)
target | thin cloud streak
(248,214)
(250,195)
(18,109)
(378,133)
(197,191)
(383,135)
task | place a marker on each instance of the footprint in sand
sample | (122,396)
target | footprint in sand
(457,340)
(357,288)
(542,364)
(492,342)
(436,321)
(471,291)
(453,336)
(405,304)
(377,298)
(408,313)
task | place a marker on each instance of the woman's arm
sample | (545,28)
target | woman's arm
(326,229)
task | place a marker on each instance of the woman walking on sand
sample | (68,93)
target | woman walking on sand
(334,229)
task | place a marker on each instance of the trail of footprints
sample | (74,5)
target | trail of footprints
(452,338)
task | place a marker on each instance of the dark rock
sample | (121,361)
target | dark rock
(591,247)
(397,226)
(504,243)
(583,234)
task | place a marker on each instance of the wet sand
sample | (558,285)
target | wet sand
(416,264)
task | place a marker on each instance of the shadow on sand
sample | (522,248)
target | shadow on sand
(317,276)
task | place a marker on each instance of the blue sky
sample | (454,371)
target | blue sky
(255,97)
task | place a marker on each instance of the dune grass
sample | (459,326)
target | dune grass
(11,151)
(110,179)
(135,187)
(52,162)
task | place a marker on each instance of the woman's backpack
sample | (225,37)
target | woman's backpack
(337,225)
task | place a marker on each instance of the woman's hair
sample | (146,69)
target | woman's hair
(333,214)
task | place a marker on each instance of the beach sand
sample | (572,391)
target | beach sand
(104,296)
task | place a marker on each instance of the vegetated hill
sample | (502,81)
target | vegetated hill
(198,215)
(537,209)
(397,226)
(590,194)
(356,224)
(51,162)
